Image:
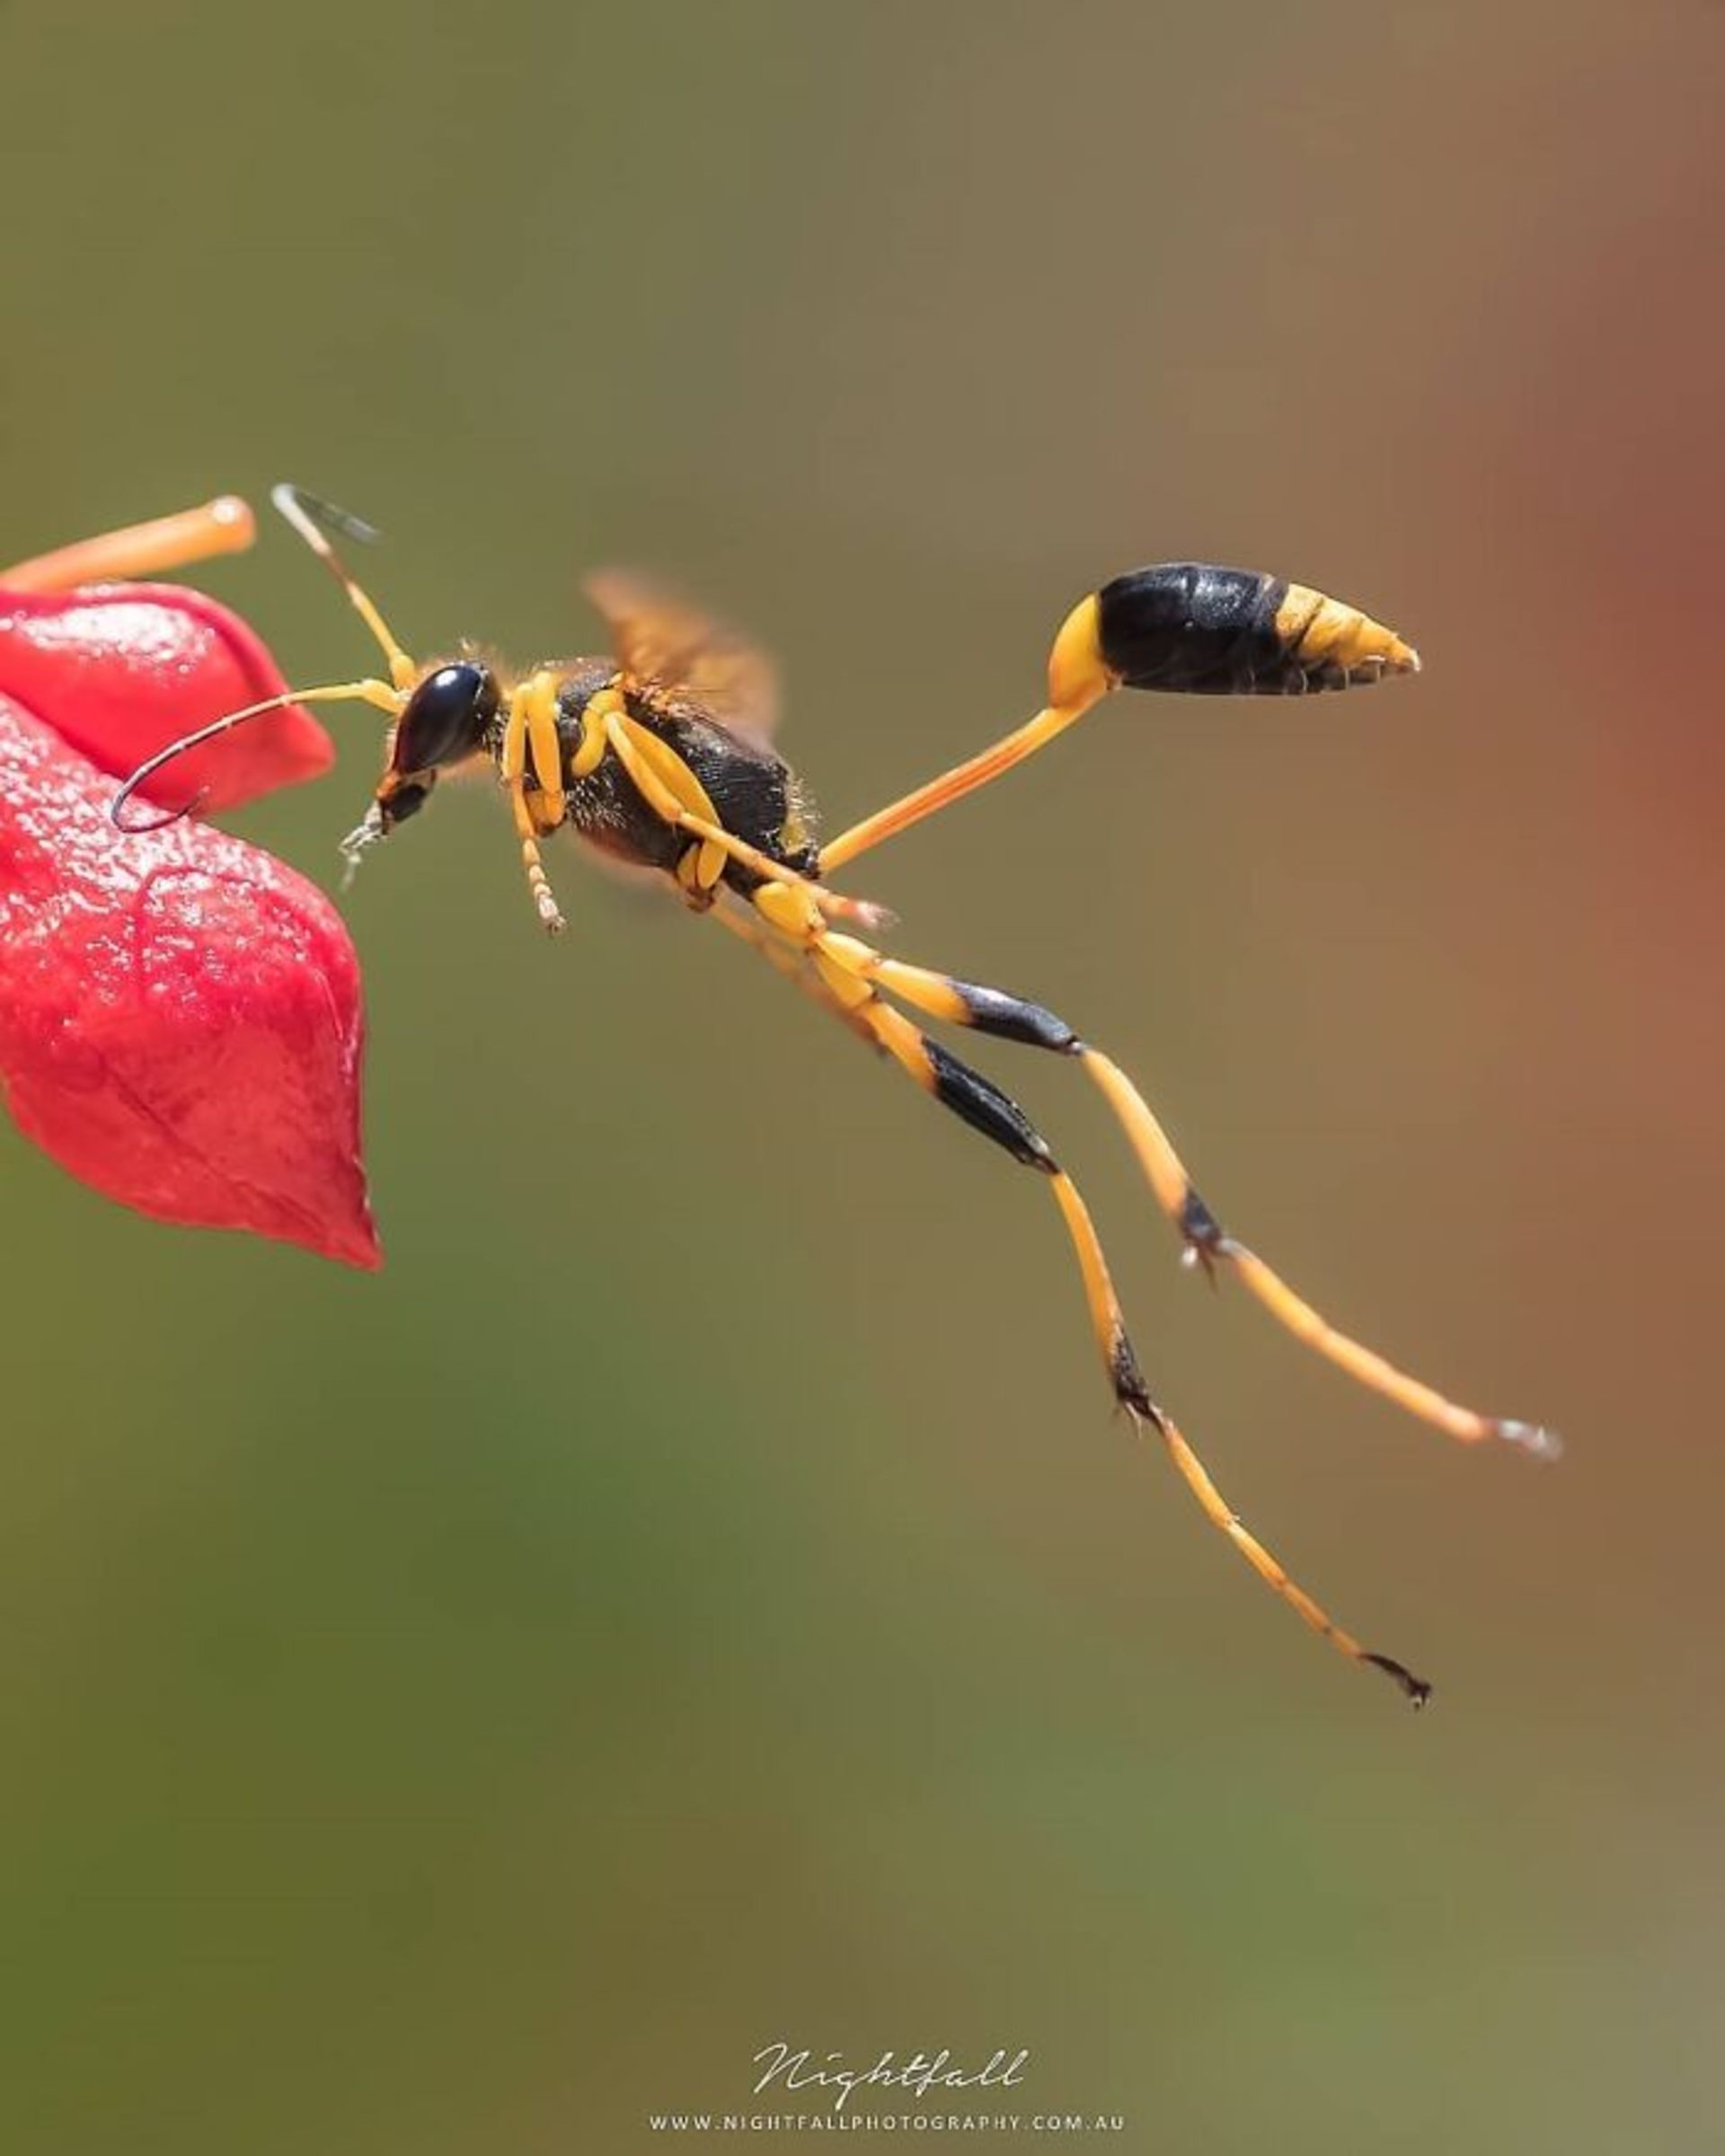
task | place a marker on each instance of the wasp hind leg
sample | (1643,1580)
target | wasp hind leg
(1209,1244)
(993,1010)
(977,1102)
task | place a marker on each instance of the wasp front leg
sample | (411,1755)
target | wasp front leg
(529,831)
(530,734)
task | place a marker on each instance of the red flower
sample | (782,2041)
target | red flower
(180,1020)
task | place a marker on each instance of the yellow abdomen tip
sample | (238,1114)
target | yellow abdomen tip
(1334,644)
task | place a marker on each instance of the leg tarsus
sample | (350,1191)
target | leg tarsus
(528,831)
(1132,1394)
(1417,1688)
(1209,1244)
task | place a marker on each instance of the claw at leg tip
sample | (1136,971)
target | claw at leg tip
(1532,1437)
(1416,1689)
(865,913)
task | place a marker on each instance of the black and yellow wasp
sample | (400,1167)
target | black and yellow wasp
(660,754)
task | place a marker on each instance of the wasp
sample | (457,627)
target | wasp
(660,753)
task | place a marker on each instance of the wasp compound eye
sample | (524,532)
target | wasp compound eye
(446,718)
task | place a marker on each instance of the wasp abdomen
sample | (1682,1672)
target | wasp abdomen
(1191,627)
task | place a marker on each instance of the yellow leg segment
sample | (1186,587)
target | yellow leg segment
(538,883)
(223,526)
(590,752)
(512,757)
(533,722)
(1207,1244)
(530,735)
(979,1103)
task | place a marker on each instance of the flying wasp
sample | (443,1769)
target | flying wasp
(660,754)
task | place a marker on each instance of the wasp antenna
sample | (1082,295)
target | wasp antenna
(138,828)
(377,693)
(313,520)
(329,516)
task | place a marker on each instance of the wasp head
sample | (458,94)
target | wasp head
(448,719)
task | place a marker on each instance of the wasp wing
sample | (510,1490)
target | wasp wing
(672,649)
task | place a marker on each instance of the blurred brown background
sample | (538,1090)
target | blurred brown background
(416,1745)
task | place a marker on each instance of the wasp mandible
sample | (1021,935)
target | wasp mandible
(660,754)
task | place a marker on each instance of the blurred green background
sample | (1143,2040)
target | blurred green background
(696,1595)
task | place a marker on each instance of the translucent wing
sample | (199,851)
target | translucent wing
(674,649)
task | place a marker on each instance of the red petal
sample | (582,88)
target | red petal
(120,670)
(180,1013)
